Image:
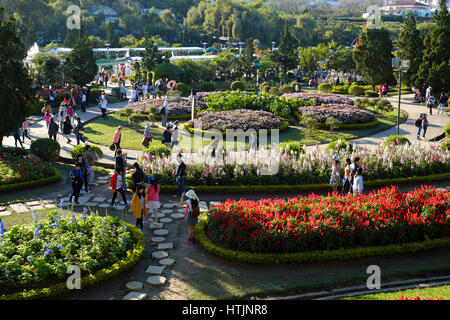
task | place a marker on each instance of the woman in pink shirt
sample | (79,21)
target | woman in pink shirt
(153,196)
(25,131)
(47,117)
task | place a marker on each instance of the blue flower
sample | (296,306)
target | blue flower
(29,258)
(84,217)
(53,225)
(121,239)
(61,203)
(7,274)
(36,232)
(48,252)
(85,210)
(59,246)
(74,219)
(101,231)
(81,234)
(55,219)
(2,228)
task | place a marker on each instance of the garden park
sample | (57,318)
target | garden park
(278,236)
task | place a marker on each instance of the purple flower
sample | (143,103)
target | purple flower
(49,251)
(2,228)
(74,219)
(85,210)
(36,231)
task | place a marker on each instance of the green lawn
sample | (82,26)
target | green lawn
(443,292)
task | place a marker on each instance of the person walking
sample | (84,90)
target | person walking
(335,176)
(103,103)
(352,171)
(424,125)
(106,80)
(67,129)
(191,215)
(179,177)
(90,157)
(16,135)
(47,118)
(71,114)
(428,93)
(358,187)
(147,136)
(120,163)
(164,113)
(116,139)
(83,101)
(84,171)
(175,134)
(443,102)
(418,124)
(430,103)
(76,176)
(346,180)
(167,137)
(52,99)
(26,131)
(117,184)
(138,176)
(79,131)
(123,92)
(53,129)
(152,192)
(139,206)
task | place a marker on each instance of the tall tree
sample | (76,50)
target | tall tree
(246,59)
(286,57)
(410,46)
(152,57)
(18,97)
(111,36)
(80,67)
(341,60)
(435,67)
(373,57)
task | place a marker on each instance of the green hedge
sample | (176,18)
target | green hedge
(316,256)
(356,90)
(325,87)
(237,85)
(170,118)
(29,184)
(14,150)
(46,149)
(94,94)
(447,130)
(80,149)
(392,139)
(91,279)
(371,93)
(281,128)
(356,126)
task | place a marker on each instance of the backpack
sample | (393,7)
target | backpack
(195,212)
(417,123)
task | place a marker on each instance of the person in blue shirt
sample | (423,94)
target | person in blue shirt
(76,176)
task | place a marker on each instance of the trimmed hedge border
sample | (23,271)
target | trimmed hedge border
(281,128)
(301,187)
(314,256)
(159,117)
(23,185)
(91,279)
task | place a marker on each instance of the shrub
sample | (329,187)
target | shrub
(445,145)
(169,70)
(395,140)
(371,93)
(262,85)
(116,92)
(38,107)
(383,106)
(14,151)
(293,147)
(356,90)
(287,88)
(184,88)
(208,86)
(339,145)
(79,149)
(325,87)
(60,97)
(237,85)
(310,122)
(137,118)
(157,151)
(332,123)
(266,89)
(46,149)
(275,91)
(94,95)
(447,130)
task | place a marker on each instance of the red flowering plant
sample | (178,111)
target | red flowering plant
(16,169)
(417,298)
(315,223)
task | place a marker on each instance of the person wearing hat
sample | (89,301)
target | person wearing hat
(147,136)
(192,203)
(138,206)
(117,138)
(153,196)
(335,176)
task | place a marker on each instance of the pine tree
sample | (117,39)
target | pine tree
(152,57)
(80,67)
(247,59)
(111,36)
(286,56)
(410,46)
(373,57)
(18,97)
(435,67)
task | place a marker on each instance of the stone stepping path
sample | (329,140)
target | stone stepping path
(177,216)
(168,205)
(165,246)
(135,296)
(161,232)
(165,220)
(166,211)
(158,239)
(155,225)
(156,280)
(158,270)
(158,255)
(134,286)
(167,262)
(28,206)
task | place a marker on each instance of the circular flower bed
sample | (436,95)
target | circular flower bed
(314,223)
(320,98)
(16,168)
(38,255)
(237,119)
(344,113)
(177,107)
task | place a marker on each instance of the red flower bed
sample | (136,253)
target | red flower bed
(313,223)
(417,298)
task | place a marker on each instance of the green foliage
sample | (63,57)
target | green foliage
(38,182)
(382,106)
(286,56)
(208,86)
(310,122)
(157,151)
(169,70)
(184,88)
(395,140)
(116,92)
(13,150)
(47,70)
(287,88)
(447,130)
(339,145)
(293,147)
(61,96)
(152,57)
(356,90)
(325,87)
(332,123)
(237,85)
(38,107)
(80,149)
(80,67)
(137,118)
(46,149)
(445,145)
(275,91)
(371,93)
(95,94)
(341,60)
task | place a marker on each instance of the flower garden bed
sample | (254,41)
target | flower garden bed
(320,98)
(177,107)
(34,258)
(328,228)
(346,114)
(238,119)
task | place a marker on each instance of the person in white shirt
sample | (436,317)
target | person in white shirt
(428,93)
(358,187)
(145,90)
(83,101)
(175,135)
(103,103)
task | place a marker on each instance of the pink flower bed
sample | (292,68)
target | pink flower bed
(320,98)
(346,114)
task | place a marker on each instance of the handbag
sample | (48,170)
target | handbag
(145,142)
(112,147)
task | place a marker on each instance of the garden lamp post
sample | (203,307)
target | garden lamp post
(107,50)
(400,66)
(257,64)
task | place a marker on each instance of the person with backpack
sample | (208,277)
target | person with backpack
(139,206)
(352,171)
(120,164)
(16,135)
(167,137)
(430,103)
(418,124)
(179,176)
(175,135)
(164,112)
(76,176)
(116,139)
(79,131)
(84,170)
(117,185)
(152,192)
(191,215)
(358,187)
(67,128)
(138,176)
(424,125)
(443,102)
(26,131)
(53,129)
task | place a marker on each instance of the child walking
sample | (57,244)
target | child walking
(191,215)
(358,187)
(153,197)
(76,176)
(138,206)
(117,186)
